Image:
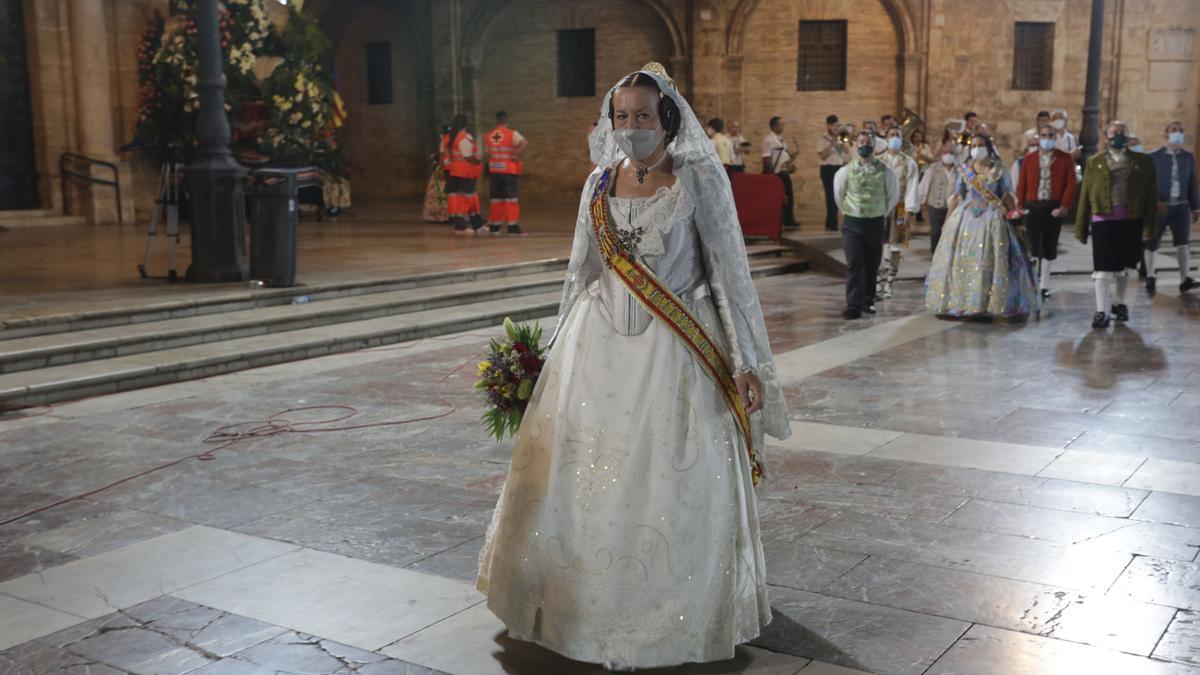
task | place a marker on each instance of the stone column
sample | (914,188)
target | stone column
(93,107)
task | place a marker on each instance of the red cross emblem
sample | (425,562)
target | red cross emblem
(496,137)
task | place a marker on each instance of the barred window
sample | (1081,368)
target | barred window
(822,62)
(379,73)
(1033,55)
(577,62)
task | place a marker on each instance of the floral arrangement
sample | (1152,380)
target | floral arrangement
(300,101)
(275,85)
(507,376)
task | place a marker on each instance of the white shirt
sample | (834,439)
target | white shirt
(1176,185)
(891,186)
(834,158)
(937,185)
(739,153)
(901,163)
(1066,142)
(774,151)
(466,147)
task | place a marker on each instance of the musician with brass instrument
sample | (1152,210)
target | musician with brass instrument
(898,226)
(777,160)
(834,151)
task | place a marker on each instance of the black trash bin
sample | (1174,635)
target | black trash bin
(273,224)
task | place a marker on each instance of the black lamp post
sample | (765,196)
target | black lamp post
(1089,133)
(215,181)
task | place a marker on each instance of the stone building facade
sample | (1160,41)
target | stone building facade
(736,59)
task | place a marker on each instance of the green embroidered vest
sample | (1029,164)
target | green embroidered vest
(866,190)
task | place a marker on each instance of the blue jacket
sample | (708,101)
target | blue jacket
(1187,176)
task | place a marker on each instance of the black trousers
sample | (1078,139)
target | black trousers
(1043,229)
(1116,245)
(937,218)
(828,171)
(789,219)
(862,240)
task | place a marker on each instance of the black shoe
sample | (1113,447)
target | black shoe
(1188,284)
(1120,312)
(1151,284)
(1100,320)
(851,314)
(493,229)
(516,231)
(870,309)
(1142,269)
(1045,294)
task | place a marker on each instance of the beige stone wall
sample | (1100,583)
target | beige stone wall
(517,74)
(733,58)
(771,49)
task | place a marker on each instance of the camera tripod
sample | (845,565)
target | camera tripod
(166,206)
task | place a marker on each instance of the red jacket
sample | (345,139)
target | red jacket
(1062,179)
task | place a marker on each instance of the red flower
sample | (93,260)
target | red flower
(521,347)
(530,363)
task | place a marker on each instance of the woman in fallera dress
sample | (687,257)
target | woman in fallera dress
(626,533)
(979,268)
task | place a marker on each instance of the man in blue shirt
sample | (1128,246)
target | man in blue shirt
(1178,204)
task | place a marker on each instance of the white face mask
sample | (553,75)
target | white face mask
(1059,124)
(638,144)
(1046,144)
(894,143)
(1175,138)
(1136,148)
(947,159)
(979,153)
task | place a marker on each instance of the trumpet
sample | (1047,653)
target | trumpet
(843,135)
(964,137)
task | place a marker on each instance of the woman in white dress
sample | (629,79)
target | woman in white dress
(627,530)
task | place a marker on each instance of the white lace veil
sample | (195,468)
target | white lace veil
(695,164)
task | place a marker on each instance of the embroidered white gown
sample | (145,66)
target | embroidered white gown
(627,530)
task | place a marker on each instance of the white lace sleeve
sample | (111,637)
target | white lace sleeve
(733,289)
(585,264)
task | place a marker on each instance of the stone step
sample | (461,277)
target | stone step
(205,359)
(76,380)
(38,218)
(248,298)
(43,351)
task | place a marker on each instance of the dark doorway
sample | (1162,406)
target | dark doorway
(18,173)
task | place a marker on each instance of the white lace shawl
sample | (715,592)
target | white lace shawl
(699,170)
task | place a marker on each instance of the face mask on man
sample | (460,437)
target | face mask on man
(865,151)
(1046,144)
(894,143)
(1118,141)
(1175,138)
(1136,148)
(1059,124)
(948,159)
(638,144)
(979,152)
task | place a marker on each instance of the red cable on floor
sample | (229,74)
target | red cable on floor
(274,425)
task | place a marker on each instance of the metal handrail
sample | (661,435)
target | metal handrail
(63,174)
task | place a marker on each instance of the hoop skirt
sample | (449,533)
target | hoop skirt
(627,530)
(979,268)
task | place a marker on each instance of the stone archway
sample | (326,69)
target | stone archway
(384,145)
(763,46)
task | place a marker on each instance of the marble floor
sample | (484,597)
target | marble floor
(957,497)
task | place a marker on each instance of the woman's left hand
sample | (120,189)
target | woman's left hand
(750,388)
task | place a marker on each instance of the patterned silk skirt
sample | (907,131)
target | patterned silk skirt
(627,530)
(979,268)
(434,208)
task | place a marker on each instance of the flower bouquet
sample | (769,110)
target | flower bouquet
(507,376)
